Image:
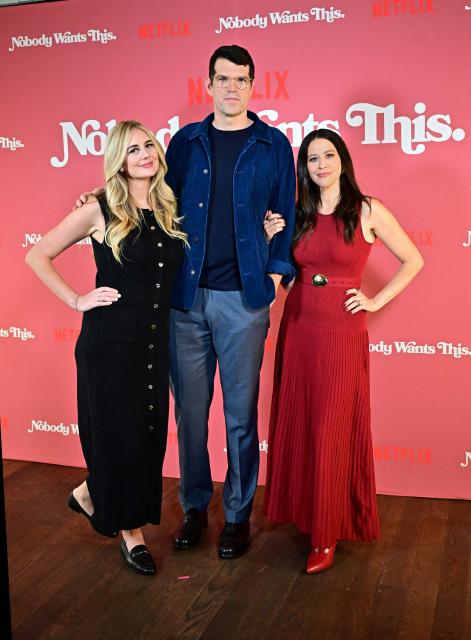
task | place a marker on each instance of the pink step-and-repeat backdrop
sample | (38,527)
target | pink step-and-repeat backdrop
(392,76)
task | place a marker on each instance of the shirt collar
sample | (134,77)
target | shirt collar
(261,130)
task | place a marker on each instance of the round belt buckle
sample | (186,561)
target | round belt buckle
(319,280)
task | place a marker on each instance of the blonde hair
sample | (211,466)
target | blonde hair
(125,215)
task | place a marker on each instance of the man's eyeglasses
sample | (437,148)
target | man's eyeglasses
(222,82)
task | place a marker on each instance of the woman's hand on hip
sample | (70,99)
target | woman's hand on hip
(359,302)
(101,297)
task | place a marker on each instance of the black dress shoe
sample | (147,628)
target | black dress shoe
(139,559)
(234,539)
(188,535)
(75,506)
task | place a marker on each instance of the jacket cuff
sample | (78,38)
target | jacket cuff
(281,267)
(285,280)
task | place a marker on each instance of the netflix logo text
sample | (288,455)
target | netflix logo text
(178,28)
(403,455)
(391,8)
(63,334)
(270,85)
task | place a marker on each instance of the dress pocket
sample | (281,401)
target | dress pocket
(119,321)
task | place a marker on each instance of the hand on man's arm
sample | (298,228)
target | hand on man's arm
(88,196)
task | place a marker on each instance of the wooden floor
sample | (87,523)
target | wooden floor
(68,582)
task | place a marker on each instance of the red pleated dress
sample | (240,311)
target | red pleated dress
(320,458)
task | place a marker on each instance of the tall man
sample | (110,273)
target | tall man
(226,172)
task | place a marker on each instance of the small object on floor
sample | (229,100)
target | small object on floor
(234,540)
(320,559)
(183,578)
(73,504)
(139,559)
(188,535)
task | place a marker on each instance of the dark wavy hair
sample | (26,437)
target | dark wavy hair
(347,211)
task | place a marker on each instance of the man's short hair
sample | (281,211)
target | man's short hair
(236,55)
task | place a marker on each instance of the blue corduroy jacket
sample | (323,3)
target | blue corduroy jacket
(264,178)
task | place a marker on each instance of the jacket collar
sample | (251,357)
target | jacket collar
(261,130)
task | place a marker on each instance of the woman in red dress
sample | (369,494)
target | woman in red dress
(320,462)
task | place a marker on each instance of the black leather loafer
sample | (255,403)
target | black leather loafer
(73,503)
(139,559)
(188,535)
(234,540)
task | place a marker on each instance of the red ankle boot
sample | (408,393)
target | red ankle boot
(320,559)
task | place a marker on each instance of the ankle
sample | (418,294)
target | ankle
(132,537)
(81,492)
(82,496)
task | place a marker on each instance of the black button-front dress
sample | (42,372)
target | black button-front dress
(122,377)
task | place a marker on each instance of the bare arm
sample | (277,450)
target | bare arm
(86,221)
(382,224)
(276,277)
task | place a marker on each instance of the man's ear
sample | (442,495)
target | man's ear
(209,86)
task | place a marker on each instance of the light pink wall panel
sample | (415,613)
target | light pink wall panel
(392,77)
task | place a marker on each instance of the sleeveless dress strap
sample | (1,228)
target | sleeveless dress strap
(104,206)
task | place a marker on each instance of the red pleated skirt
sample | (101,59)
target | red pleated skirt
(320,458)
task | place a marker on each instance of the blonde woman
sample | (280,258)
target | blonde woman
(122,350)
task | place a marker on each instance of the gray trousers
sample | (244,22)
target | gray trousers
(222,329)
